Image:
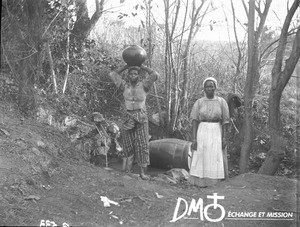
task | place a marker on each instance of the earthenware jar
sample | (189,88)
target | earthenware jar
(134,55)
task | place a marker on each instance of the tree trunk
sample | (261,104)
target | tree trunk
(26,93)
(248,138)
(239,57)
(252,79)
(280,79)
(247,142)
(84,25)
(276,152)
(31,64)
(150,56)
(177,78)
(194,19)
(167,63)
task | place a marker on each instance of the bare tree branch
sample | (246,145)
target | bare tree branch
(283,37)
(258,11)
(263,53)
(245,8)
(234,28)
(291,61)
(52,68)
(263,17)
(175,18)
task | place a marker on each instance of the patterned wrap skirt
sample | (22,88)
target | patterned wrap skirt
(207,160)
(135,137)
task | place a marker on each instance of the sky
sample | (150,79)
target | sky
(218,32)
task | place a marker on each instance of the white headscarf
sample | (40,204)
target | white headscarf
(212,79)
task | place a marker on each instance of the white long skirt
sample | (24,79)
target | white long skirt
(207,160)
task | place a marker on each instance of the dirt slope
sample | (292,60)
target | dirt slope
(43,177)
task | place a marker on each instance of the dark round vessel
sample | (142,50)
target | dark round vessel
(134,55)
(170,153)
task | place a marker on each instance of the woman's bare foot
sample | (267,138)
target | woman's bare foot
(129,163)
(124,164)
(143,175)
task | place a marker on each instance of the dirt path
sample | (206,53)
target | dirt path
(73,196)
(5,166)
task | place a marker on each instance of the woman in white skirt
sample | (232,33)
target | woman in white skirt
(210,120)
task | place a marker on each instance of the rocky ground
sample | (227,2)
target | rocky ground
(45,181)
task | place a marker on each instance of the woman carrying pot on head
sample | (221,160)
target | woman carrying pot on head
(135,135)
(210,120)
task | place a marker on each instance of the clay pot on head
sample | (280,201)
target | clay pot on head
(134,55)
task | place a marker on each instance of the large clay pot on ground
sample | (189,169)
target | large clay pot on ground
(134,55)
(170,153)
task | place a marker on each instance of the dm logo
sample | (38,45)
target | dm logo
(194,207)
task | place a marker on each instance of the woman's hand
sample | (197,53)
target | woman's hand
(147,69)
(121,69)
(224,143)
